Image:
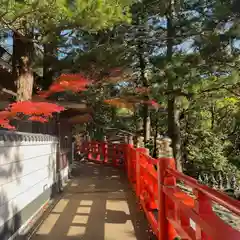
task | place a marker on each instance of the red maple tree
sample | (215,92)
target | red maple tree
(33,111)
(42,111)
(67,82)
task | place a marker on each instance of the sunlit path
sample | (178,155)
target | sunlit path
(97,204)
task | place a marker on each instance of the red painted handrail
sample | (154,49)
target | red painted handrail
(212,194)
(170,211)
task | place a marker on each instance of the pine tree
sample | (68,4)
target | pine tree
(43,21)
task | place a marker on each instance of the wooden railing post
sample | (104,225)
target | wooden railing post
(125,153)
(165,160)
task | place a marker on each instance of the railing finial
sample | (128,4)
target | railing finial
(163,147)
(130,140)
(140,142)
(167,147)
(159,146)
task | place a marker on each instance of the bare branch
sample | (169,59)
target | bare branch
(10,92)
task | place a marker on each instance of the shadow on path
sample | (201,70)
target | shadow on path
(97,204)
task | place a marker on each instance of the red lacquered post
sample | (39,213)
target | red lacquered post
(138,168)
(97,151)
(105,150)
(92,149)
(125,153)
(89,147)
(203,206)
(165,230)
(162,218)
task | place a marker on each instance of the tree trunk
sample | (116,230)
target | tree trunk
(144,81)
(140,21)
(173,112)
(23,50)
(176,139)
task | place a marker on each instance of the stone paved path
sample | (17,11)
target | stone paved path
(98,204)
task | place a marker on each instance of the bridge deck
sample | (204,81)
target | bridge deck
(97,204)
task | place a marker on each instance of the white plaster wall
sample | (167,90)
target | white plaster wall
(27,169)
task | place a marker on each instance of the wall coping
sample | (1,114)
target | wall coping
(12,136)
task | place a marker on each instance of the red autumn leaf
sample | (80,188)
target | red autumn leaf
(5,124)
(39,111)
(25,107)
(37,119)
(3,121)
(67,82)
(72,77)
(5,115)
(35,108)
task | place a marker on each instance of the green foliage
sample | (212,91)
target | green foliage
(64,14)
(124,112)
(198,67)
(212,148)
(204,77)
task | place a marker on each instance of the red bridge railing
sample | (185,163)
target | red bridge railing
(171,211)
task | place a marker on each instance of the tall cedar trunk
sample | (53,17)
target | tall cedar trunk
(139,129)
(146,112)
(185,142)
(23,50)
(139,21)
(177,136)
(173,112)
(146,124)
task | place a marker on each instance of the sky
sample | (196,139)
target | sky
(7,43)
(186,46)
